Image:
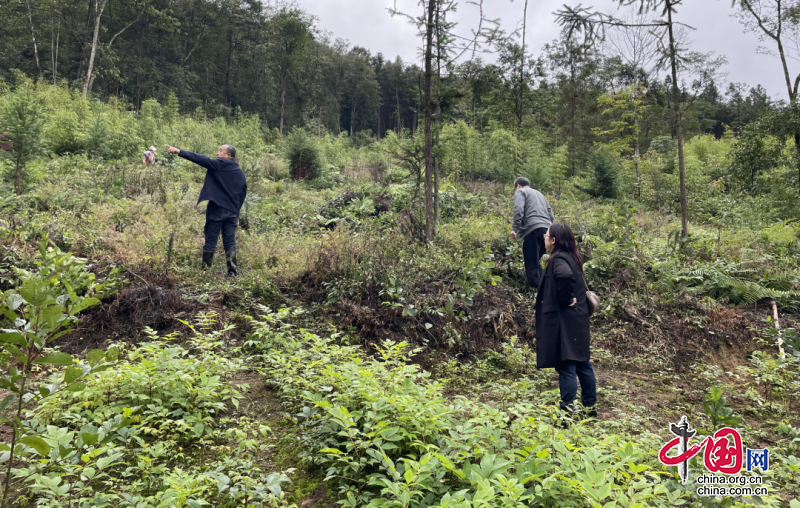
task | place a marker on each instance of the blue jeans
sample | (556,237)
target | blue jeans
(569,373)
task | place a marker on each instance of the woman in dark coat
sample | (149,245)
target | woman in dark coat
(562,320)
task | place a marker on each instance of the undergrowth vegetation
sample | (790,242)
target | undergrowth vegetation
(400,372)
(385,433)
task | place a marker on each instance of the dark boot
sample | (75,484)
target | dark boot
(207,257)
(587,413)
(231,257)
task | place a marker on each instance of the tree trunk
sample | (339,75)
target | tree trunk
(797,145)
(573,149)
(283,102)
(678,129)
(228,69)
(521,71)
(33,37)
(397,96)
(87,85)
(428,145)
(352,119)
(54,48)
(18,177)
(435,194)
(790,90)
(636,155)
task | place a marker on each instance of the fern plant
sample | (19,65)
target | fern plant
(726,282)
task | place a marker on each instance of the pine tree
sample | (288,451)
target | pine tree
(21,124)
(605,173)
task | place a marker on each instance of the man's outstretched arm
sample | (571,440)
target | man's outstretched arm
(199,159)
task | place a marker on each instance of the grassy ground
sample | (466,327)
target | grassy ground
(348,257)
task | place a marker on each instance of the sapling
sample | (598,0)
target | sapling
(42,308)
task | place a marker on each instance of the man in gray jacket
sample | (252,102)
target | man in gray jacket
(532,217)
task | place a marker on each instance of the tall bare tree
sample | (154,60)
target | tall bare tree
(520,84)
(778,22)
(33,37)
(638,47)
(433,25)
(291,32)
(593,27)
(99,7)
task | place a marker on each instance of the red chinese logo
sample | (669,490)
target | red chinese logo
(719,456)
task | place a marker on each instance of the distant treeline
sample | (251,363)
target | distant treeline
(272,61)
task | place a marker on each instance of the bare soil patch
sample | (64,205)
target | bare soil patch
(151,299)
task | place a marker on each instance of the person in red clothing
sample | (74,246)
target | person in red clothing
(225,188)
(149,157)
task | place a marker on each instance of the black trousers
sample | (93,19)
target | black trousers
(532,251)
(218,219)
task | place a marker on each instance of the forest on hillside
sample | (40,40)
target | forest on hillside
(272,61)
(375,343)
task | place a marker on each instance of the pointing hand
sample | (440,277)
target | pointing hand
(173,150)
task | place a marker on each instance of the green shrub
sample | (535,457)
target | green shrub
(303,156)
(129,436)
(605,174)
(382,429)
(21,123)
(537,173)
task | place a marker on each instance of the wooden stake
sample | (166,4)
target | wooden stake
(778,327)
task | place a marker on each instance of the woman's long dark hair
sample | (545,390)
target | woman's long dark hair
(565,242)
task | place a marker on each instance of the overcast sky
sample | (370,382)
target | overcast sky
(367,23)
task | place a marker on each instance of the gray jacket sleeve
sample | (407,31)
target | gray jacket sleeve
(550,212)
(519,210)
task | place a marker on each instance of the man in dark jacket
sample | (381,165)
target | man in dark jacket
(532,217)
(225,188)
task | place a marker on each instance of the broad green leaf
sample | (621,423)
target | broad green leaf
(77,387)
(7,401)
(72,295)
(112,354)
(35,292)
(107,461)
(14,301)
(95,356)
(37,443)
(10,314)
(83,304)
(13,337)
(89,435)
(72,374)
(53,316)
(62,359)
